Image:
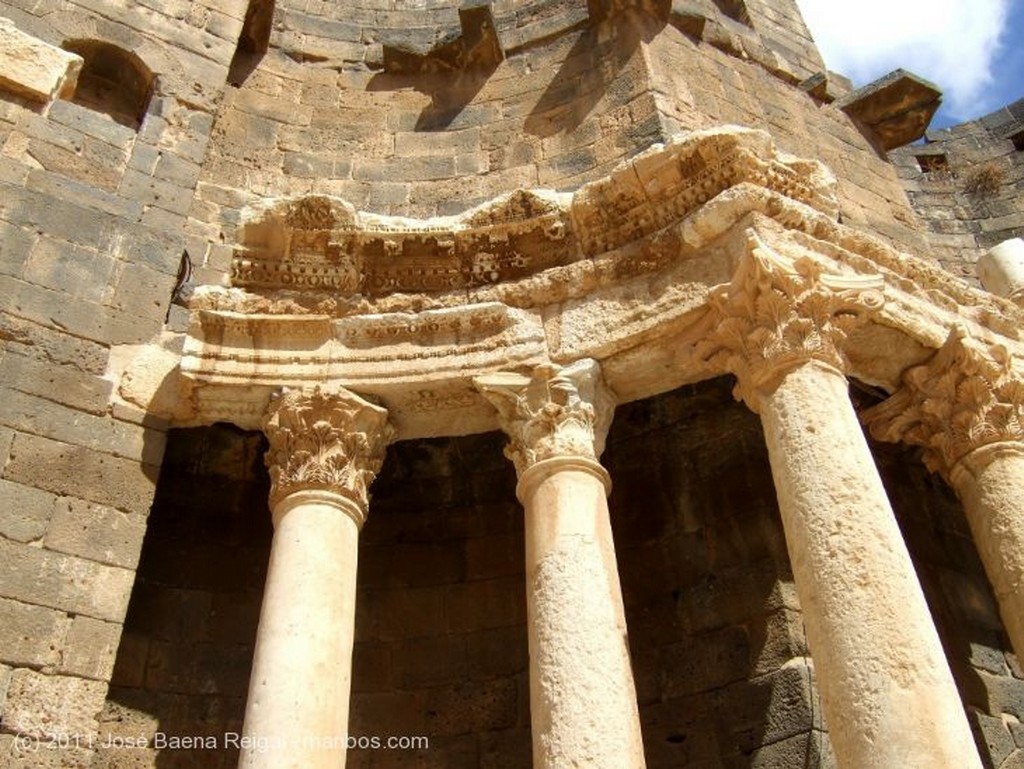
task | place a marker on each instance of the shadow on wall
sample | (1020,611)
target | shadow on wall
(252,42)
(450,92)
(451,70)
(183,664)
(593,64)
(454,71)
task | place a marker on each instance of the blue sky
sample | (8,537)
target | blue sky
(969,48)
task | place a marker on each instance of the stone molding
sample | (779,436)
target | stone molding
(324,440)
(966,397)
(556,412)
(778,314)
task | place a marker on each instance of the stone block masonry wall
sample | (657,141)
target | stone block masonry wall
(965,183)
(183,664)
(441,647)
(440,630)
(722,672)
(92,228)
(696,85)
(719,656)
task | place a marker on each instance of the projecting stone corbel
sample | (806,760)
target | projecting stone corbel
(896,109)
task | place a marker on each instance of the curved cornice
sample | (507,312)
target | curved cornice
(322,247)
(649,246)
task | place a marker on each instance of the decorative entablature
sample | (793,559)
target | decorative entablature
(322,244)
(639,295)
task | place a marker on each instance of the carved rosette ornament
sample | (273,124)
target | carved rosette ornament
(778,314)
(557,412)
(324,440)
(965,397)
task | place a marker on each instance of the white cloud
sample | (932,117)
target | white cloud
(953,43)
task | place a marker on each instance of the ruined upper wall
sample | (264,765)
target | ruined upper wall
(965,183)
(424,112)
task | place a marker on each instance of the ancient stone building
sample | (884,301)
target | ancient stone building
(562,318)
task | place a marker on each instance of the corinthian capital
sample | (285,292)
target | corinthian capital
(556,412)
(324,440)
(965,397)
(777,314)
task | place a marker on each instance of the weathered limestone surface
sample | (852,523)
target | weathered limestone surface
(626,282)
(990,483)
(580,672)
(325,449)
(965,407)
(92,227)
(101,225)
(896,108)
(879,661)
(780,328)
(1001,269)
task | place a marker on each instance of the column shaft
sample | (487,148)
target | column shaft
(888,696)
(965,408)
(297,711)
(582,699)
(990,483)
(326,447)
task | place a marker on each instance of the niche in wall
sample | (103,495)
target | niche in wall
(113,81)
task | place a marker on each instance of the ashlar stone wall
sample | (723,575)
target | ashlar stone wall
(92,217)
(965,183)
(101,222)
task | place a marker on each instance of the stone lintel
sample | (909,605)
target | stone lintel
(897,108)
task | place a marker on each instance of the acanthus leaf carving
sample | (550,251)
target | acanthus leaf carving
(777,314)
(965,397)
(326,440)
(556,412)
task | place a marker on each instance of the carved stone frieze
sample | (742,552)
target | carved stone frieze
(324,440)
(322,244)
(778,314)
(648,310)
(667,183)
(556,412)
(967,396)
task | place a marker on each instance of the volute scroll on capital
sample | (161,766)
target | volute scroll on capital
(325,440)
(556,412)
(777,314)
(966,397)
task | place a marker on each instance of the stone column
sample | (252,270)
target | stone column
(1001,270)
(965,406)
(325,449)
(887,692)
(582,700)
